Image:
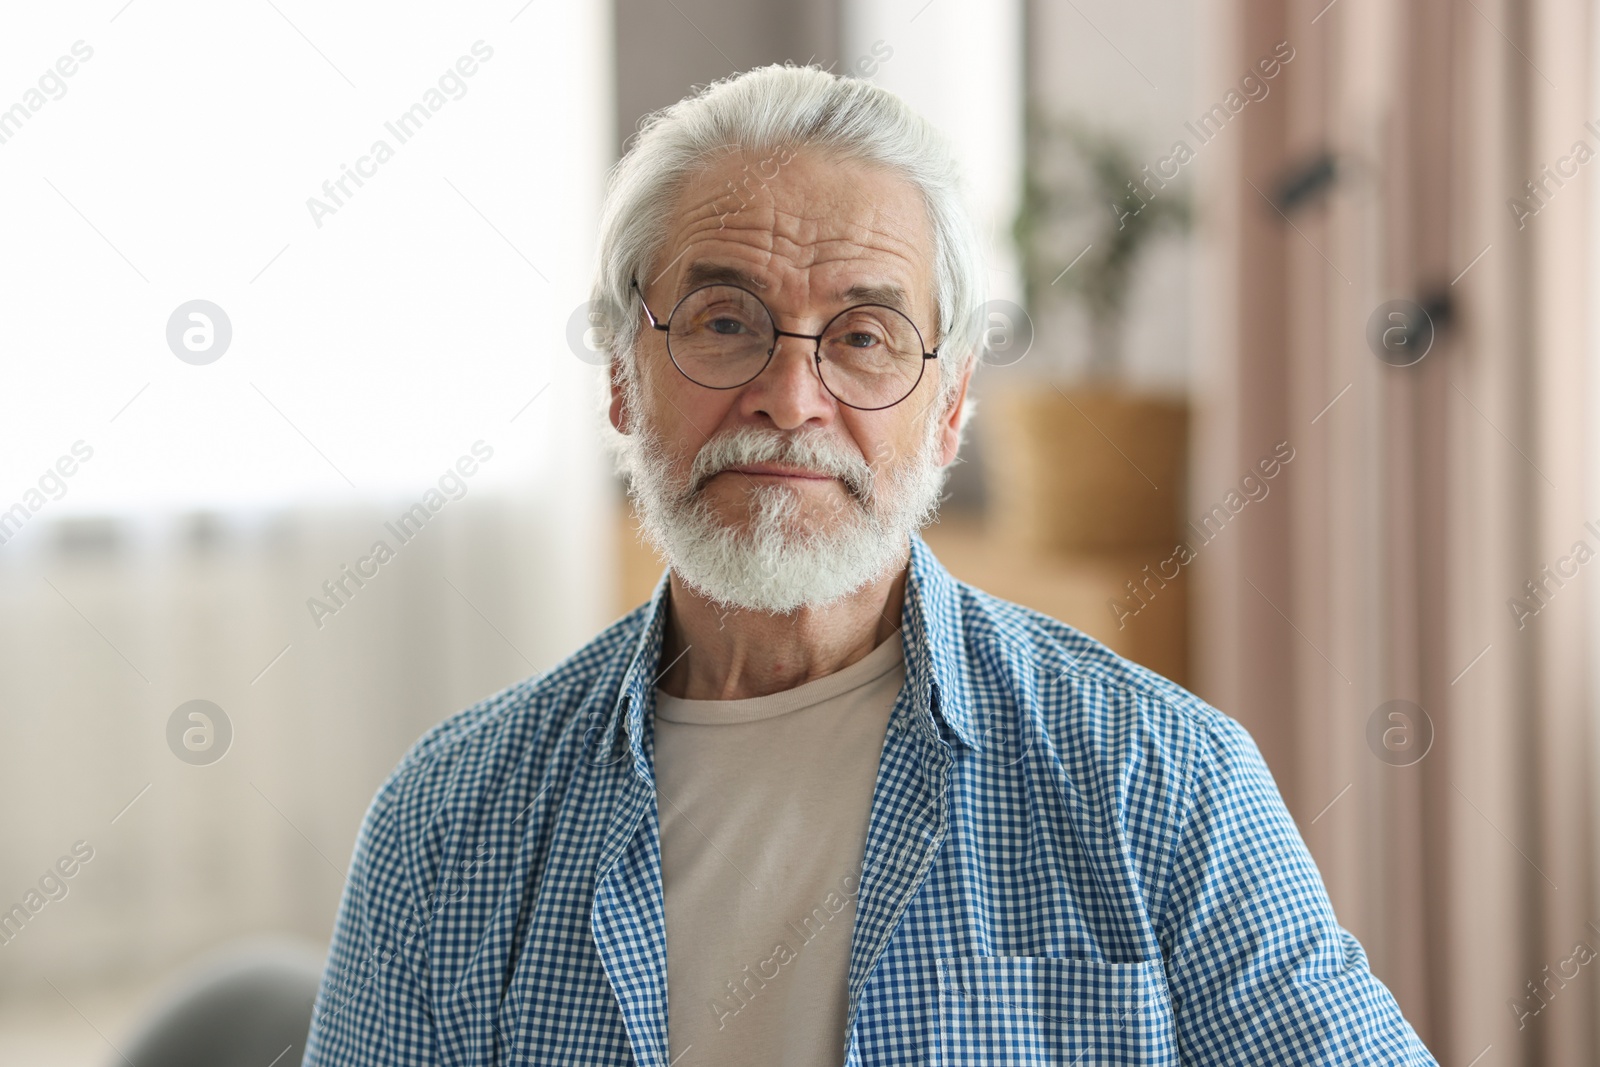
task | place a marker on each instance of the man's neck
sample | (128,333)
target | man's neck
(711,652)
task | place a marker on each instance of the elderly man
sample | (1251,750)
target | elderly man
(818,802)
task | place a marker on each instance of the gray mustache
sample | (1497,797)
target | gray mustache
(742,448)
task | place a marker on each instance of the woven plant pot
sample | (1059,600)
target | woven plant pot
(1075,469)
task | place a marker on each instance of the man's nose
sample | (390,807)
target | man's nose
(789,390)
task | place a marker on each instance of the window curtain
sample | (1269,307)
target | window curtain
(1457,842)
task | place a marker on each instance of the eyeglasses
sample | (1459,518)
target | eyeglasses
(869,357)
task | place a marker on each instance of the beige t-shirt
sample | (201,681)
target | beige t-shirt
(763,805)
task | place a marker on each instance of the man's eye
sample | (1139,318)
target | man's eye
(726,326)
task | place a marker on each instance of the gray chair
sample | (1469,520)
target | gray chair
(247,1005)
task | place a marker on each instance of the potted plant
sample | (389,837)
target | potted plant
(1090,463)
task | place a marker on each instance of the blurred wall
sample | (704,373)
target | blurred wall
(1128,69)
(665,49)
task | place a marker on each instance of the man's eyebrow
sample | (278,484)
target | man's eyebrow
(888,294)
(699,274)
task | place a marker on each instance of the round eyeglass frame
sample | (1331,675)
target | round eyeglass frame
(815,339)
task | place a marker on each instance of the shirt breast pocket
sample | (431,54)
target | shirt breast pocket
(1034,1011)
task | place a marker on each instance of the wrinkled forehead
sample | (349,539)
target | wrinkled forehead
(803,227)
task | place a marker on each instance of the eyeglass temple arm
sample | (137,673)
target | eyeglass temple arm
(647,312)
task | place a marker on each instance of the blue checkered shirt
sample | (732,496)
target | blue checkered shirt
(1069,860)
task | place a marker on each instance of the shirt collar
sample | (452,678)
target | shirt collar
(931,634)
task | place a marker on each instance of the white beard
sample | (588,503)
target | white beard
(779,562)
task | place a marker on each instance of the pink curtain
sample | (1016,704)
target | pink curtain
(1421,499)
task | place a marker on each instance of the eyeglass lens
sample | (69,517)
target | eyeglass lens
(722,336)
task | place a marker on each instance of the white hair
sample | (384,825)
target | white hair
(761,111)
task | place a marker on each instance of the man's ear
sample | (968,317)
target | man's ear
(950,430)
(619,409)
